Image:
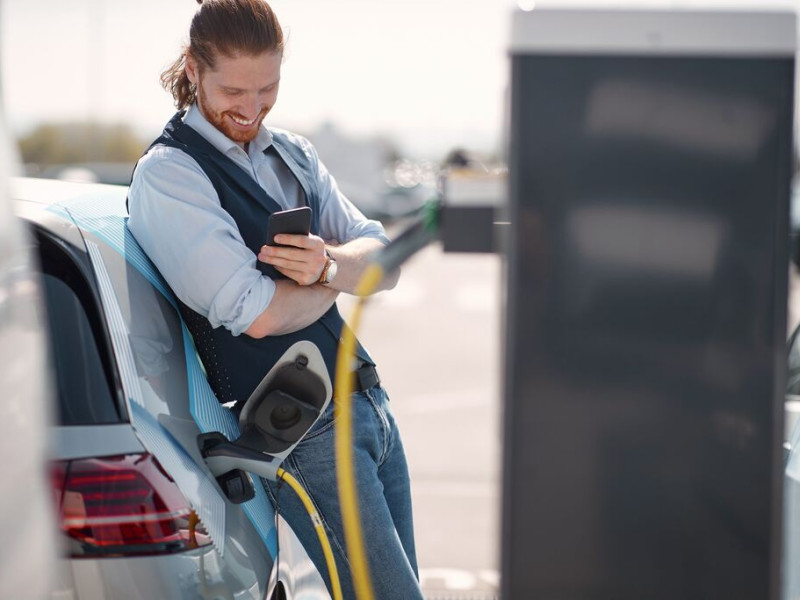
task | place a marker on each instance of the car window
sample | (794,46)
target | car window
(153,325)
(82,365)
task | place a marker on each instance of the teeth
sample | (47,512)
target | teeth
(243,122)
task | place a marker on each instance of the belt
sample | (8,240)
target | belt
(366,377)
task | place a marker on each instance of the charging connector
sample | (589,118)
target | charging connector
(473,215)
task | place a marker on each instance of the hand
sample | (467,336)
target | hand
(301,259)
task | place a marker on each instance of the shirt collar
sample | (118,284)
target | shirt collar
(195,119)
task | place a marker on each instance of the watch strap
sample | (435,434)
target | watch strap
(323,277)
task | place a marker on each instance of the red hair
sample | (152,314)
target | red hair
(226,27)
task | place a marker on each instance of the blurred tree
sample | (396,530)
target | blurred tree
(65,143)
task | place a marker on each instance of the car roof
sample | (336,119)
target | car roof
(48,192)
(48,202)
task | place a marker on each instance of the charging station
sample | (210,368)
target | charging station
(649,180)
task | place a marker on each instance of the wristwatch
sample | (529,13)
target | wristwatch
(329,270)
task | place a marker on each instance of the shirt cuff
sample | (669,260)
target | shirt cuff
(237,305)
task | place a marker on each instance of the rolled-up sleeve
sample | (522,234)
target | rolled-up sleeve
(177,219)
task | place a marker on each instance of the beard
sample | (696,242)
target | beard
(221,119)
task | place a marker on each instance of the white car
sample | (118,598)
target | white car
(140,512)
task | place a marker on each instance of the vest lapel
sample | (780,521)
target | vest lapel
(184,133)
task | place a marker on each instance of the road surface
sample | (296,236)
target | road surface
(436,339)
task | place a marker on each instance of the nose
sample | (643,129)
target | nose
(251,107)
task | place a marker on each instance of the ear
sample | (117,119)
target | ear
(192,71)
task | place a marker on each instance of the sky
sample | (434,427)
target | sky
(430,74)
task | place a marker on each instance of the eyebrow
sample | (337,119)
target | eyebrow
(226,88)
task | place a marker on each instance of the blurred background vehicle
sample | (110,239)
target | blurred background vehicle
(27,557)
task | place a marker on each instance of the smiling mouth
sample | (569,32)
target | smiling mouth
(242,122)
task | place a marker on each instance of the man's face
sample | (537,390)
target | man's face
(238,93)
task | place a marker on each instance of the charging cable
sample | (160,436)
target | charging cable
(320,529)
(412,239)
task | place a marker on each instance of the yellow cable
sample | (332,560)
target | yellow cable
(345,475)
(323,538)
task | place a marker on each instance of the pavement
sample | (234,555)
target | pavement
(436,339)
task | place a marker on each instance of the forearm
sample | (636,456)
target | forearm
(292,308)
(352,259)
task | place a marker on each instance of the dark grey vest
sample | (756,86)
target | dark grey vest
(236,364)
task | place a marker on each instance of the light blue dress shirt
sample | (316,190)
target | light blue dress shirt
(178,221)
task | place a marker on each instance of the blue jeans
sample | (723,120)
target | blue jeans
(384,497)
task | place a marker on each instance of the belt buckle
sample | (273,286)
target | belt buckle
(367,377)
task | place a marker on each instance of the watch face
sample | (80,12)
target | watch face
(331,271)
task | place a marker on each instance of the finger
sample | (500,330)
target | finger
(270,254)
(308,242)
(305,260)
(285,263)
(302,272)
(290,239)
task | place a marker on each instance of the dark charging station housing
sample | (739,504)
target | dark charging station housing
(650,172)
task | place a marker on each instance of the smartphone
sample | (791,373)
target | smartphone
(295,220)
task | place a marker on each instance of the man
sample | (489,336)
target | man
(199,204)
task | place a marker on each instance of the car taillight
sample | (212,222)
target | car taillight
(123,505)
